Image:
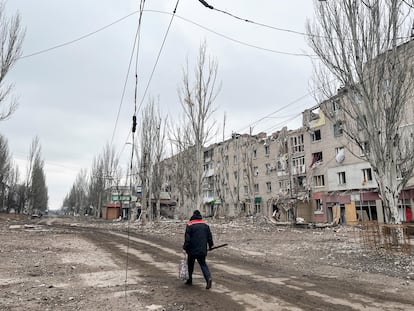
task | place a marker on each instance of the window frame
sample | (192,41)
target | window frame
(338,128)
(315,137)
(268,186)
(341,178)
(319,181)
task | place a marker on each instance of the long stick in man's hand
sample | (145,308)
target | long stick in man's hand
(218,246)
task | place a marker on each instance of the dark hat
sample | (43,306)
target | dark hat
(196,213)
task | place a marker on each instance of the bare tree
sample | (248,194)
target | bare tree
(13,199)
(5,169)
(96,186)
(81,187)
(111,171)
(152,143)
(76,201)
(249,171)
(34,150)
(11,38)
(182,166)
(197,96)
(37,192)
(146,161)
(363,46)
(158,172)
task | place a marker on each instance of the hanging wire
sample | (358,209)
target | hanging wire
(134,124)
(159,54)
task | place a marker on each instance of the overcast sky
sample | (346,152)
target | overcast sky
(70,96)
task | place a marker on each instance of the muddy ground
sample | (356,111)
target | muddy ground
(82,264)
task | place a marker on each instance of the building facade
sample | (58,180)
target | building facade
(312,174)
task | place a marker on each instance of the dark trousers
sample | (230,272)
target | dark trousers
(203,265)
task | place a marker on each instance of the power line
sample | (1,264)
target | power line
(159,54)
(77,39)
(134,116)
(48,163)
(125,83)
(279,109)
(407,3)
(196,24)
(278,28)
(177,16)
(236,40)
(253,22)
(136,109)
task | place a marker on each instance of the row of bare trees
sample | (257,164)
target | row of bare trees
(31,195)
(90,189)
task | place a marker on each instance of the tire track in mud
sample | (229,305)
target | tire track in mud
(246,286)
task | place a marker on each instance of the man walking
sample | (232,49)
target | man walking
(197,237)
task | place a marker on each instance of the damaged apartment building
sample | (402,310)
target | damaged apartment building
(313,174)
(310,174)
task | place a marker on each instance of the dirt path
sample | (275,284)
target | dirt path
(66,267)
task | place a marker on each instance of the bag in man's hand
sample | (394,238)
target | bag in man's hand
(183,270)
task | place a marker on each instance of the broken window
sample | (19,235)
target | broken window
(284,185)
(269,186)
(341,178)
(257,207)
(318,205)
(364,148)
(386,87)
(338,129)
(366,175)
(319,180)
(338,149)
(297,143)
(316,135)
(335,105)
(298,165)
(300,183)
(316,157)
(366,210)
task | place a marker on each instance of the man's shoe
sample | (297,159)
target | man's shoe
(189,282)
(209,283)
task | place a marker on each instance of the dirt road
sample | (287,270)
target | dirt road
(61,266)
